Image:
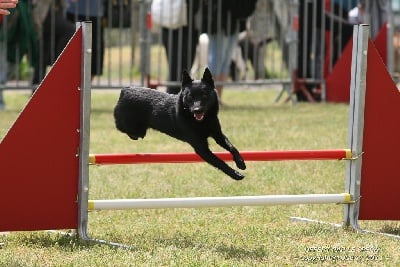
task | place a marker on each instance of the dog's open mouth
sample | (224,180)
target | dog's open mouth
(199,116)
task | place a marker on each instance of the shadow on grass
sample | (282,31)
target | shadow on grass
(240,253)
(391,230)
(64,241)
(227,251)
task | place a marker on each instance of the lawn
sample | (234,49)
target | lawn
(237,236)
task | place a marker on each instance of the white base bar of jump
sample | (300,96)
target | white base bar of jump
(204,202)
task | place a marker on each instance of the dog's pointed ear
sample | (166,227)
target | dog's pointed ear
(207,78)
(186,79)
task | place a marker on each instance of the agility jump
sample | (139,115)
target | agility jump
(331,154)
(48,193)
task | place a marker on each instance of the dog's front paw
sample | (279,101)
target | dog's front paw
(240,163)
(237,175)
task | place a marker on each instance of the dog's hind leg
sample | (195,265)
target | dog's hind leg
(205,153)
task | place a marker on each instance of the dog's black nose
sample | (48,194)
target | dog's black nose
(198,110)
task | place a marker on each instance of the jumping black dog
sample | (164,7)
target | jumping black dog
(190,116)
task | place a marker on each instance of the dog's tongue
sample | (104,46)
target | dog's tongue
(199,116)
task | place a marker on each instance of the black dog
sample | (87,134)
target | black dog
(190,116)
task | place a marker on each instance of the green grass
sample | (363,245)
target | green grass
(238,236)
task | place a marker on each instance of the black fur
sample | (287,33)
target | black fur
(190,116)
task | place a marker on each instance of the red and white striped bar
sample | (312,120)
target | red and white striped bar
(206,202)
(330,154)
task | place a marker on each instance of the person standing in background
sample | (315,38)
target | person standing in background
(257,36)
(222,20)
(18,39)
(54,32)
(180,46)
(378,14)
(4,6)
(90,10)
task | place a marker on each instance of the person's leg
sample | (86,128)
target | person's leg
(228,44)
(98,46)
(215,59)
(97,41)
(64,30)
(259,61)
(193,46)
(172,46)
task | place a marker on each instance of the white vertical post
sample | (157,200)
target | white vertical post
(356,121)
(83,190)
